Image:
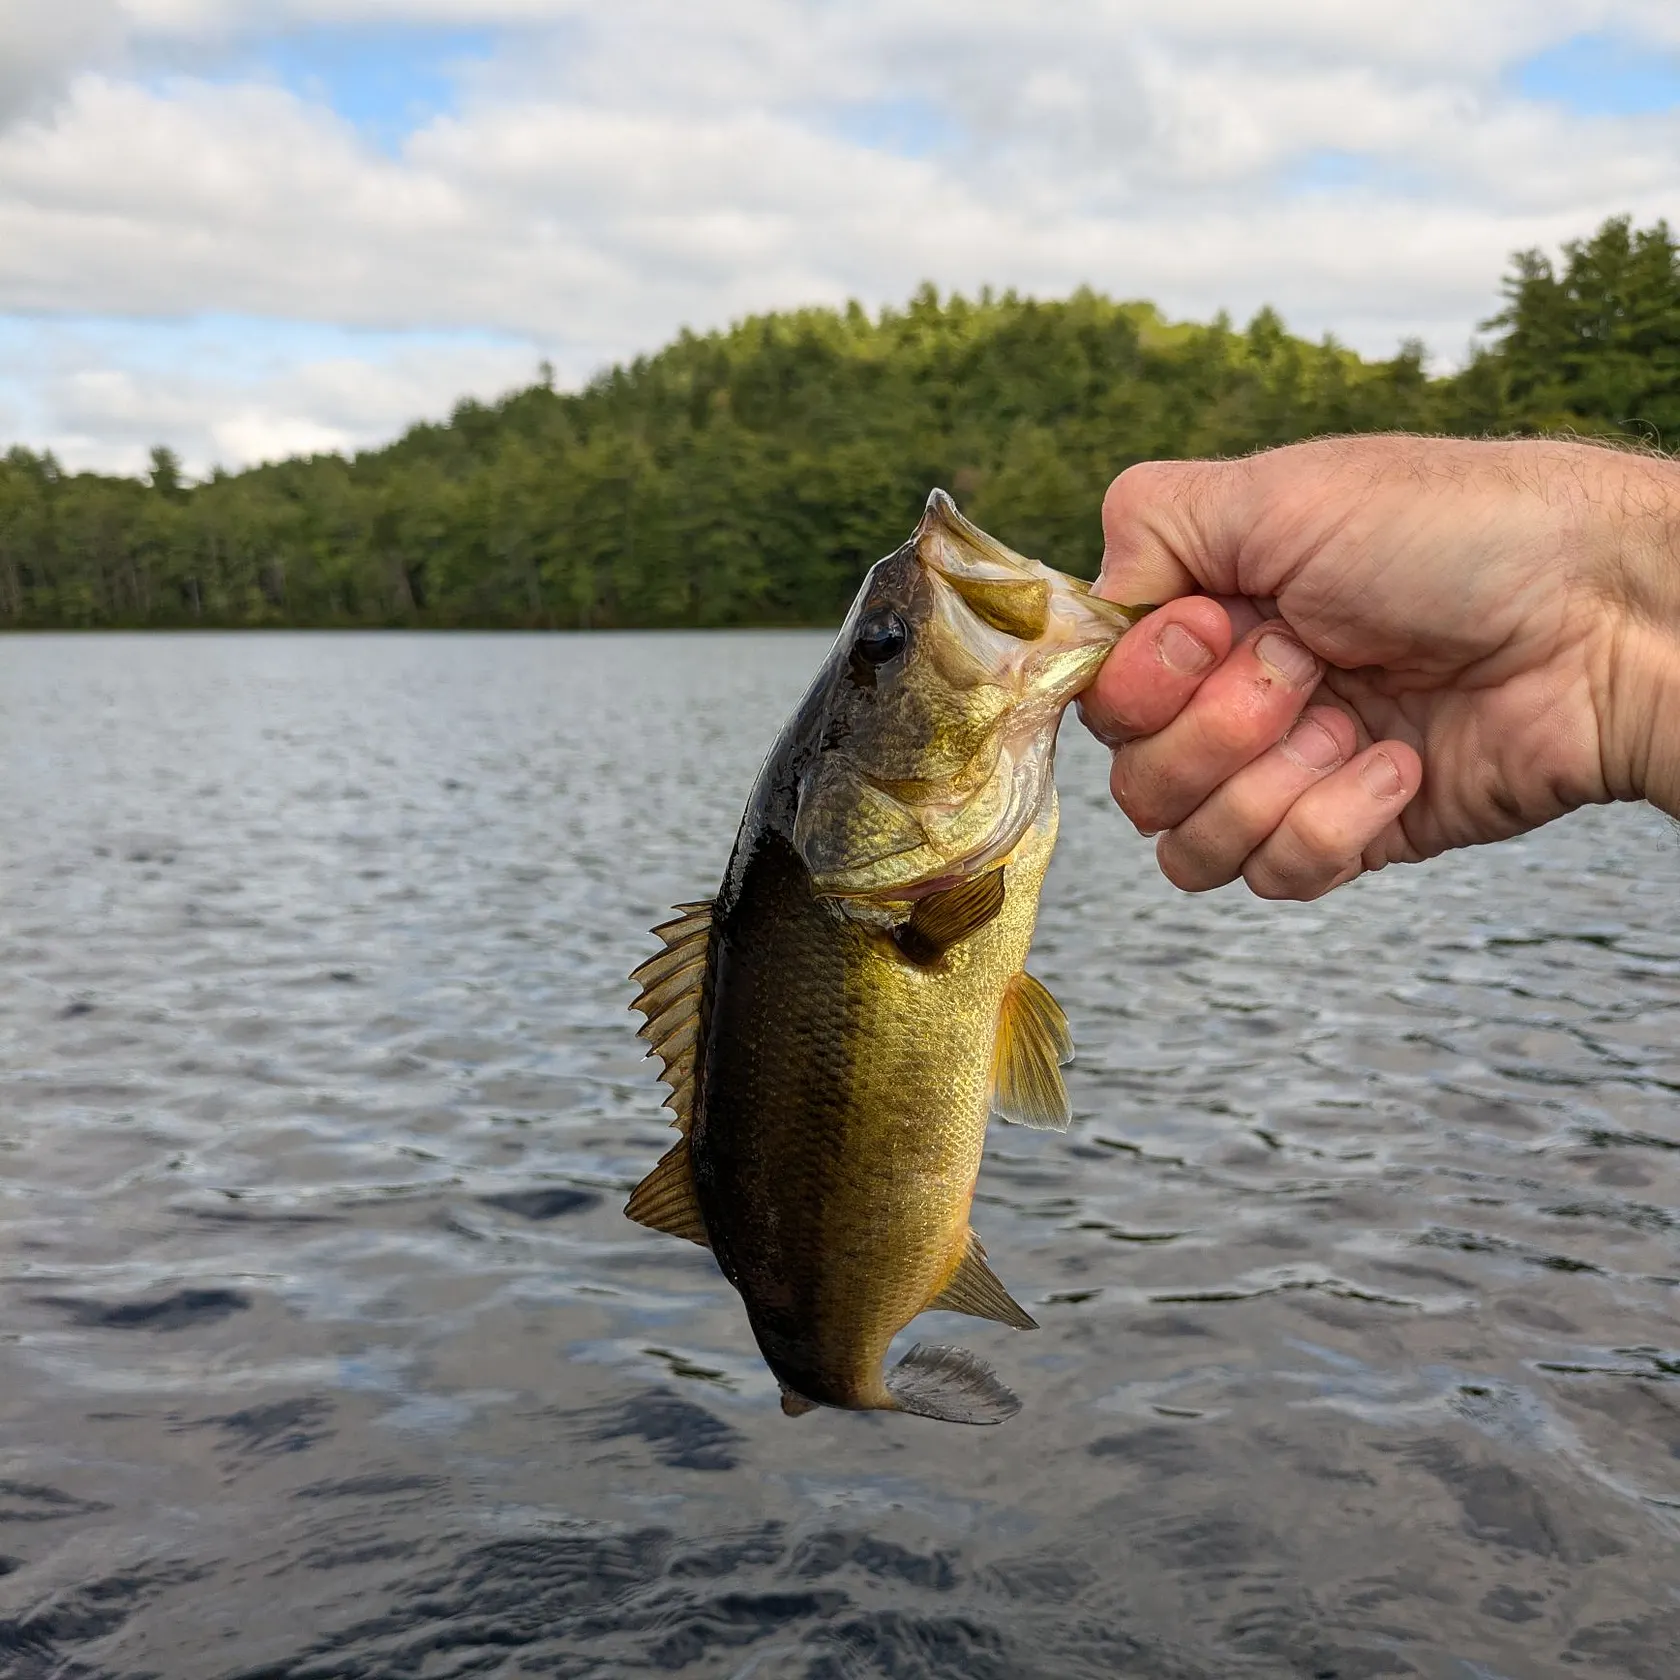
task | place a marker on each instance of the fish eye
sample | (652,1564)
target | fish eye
(881,637)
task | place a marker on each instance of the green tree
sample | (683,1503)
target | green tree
(752,475)
(1594,345)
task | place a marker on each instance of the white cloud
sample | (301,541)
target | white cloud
(612,172)
(225,392)
(42,44)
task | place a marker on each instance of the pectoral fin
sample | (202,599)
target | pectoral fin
(665,1199)
(976,1289)
(941,919)
(1033,1043)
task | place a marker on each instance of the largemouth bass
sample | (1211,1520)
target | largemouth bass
(837,1025)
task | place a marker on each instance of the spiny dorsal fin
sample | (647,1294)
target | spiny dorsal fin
(655,994)
(949,1384)
(665,1199)
(673,987)
(976,1289)
(1032,1045)
(668,962)
(943,918)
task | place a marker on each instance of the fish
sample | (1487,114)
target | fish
(840,1021)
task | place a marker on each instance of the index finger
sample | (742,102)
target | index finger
(1155,668)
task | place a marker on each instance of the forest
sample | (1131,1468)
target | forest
(749,477)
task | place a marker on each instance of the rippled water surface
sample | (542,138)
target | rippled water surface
(325,1350)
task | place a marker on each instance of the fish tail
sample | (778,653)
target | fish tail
(949,1384)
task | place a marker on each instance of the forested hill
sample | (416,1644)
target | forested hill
(749,476)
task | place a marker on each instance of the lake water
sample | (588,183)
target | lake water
(325,1349)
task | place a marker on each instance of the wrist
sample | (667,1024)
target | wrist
(1642,713)
(1657,768)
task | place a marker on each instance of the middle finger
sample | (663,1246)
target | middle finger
(1245,707)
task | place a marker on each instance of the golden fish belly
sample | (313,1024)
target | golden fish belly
(845,1101)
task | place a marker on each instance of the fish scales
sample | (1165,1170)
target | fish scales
(864,970)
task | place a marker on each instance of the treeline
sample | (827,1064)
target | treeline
(749,476)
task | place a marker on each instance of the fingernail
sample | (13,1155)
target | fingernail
(1312,746)
(1180,651)
(1381,776)
(1286,656)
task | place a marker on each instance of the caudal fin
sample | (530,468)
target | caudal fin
(949,1384)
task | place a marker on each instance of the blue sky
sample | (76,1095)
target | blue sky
(1602,76)
(387,81)
(243,227)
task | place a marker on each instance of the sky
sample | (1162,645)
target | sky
(252,228)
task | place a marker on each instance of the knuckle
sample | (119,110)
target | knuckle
(1122,785)
(1283,871)
(1105,720)
(1230,732)
(1141,486)
(1132,788)
(1135,483)
(1192,862)
(1248,812)
(1116,719)
(1319,838)
(1266,880)
(1264,884)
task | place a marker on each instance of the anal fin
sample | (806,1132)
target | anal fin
(1032,1046)
(949,1384)
(796,1405)
(665,1199)
(976,1289)
(942,919)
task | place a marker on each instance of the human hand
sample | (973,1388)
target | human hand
(1377,649)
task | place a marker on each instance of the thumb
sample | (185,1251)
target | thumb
(1168,530)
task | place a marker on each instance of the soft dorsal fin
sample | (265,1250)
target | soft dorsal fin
(941,919)
(673,989)
(1033,1044)
(665,1199)
(975,1288)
